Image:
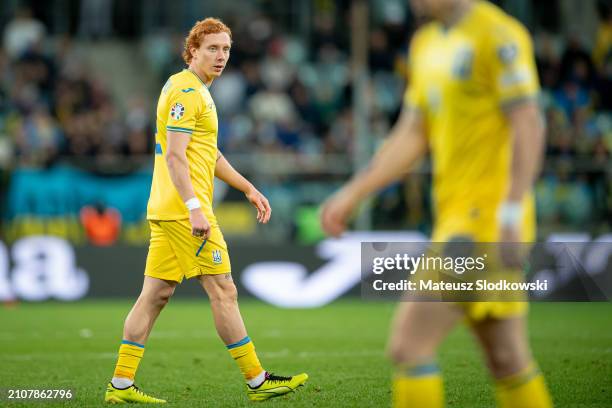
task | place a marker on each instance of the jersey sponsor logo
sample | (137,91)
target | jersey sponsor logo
(187,90)
(177,111)
(216,256)
(507,53)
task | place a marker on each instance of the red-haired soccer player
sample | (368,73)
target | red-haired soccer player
(186,241)
(472,103)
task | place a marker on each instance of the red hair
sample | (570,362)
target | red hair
(199,30)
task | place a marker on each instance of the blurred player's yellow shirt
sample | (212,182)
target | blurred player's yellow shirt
(186,106)
(461,80)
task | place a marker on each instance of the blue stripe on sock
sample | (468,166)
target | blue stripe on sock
(423,370)
(239,343)
(132,343)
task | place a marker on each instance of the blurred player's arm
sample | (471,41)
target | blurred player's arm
(527,132)
(178,167)
(227,173)
(516,85)
(406,144)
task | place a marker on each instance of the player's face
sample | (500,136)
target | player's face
(213,54)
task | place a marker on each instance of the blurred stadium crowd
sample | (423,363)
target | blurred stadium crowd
(290,95)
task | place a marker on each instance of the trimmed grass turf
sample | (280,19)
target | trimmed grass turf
(53,345)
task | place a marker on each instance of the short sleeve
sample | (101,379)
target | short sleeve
(513,67)
(414,96)
(184,109)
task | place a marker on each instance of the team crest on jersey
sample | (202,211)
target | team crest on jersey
(177,111)
(462,63)
(216,256)
(507,53)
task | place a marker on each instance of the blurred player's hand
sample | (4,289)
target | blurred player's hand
(336,211)
(260,202)
(510,247)
(200,227)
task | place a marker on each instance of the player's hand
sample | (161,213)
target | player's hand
(510,247)
(336,211)
(260,202)
(200,227)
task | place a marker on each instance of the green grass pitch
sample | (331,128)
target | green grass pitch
(340,346)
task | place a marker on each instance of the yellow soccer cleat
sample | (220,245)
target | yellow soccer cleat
(129,395)
(274,386)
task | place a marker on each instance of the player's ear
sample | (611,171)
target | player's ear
(193,51)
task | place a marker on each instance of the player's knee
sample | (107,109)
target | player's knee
(401,352)
(161,297)
(395,350)
(225,292)
(396,354)
(505,361)
(165,295)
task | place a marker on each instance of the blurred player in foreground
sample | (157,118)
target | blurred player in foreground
(472,104)
(186,240)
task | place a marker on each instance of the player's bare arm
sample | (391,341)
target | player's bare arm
(227,173)
(178,167)
(406,144)
(527,133)
(528,146)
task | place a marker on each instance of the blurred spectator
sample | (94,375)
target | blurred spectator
(102,224)
(324,32)
(563,197)
(38,139)
(230,92)
(272,105)
(547,60)
(22,32)
(604,85)
(95,20)
(327,79)
(341,134)
(571,95)
(576,64)
(381,57)
(275,71)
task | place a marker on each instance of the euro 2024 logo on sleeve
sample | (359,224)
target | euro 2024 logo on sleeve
(177,111)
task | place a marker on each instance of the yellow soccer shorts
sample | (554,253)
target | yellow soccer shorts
(175,254)
(455,223)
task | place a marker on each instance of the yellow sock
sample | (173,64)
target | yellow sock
(418,387)
(243,352)
(525,389)
(130,354)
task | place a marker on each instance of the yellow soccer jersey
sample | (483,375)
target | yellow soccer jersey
(185,105)
(461,80)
